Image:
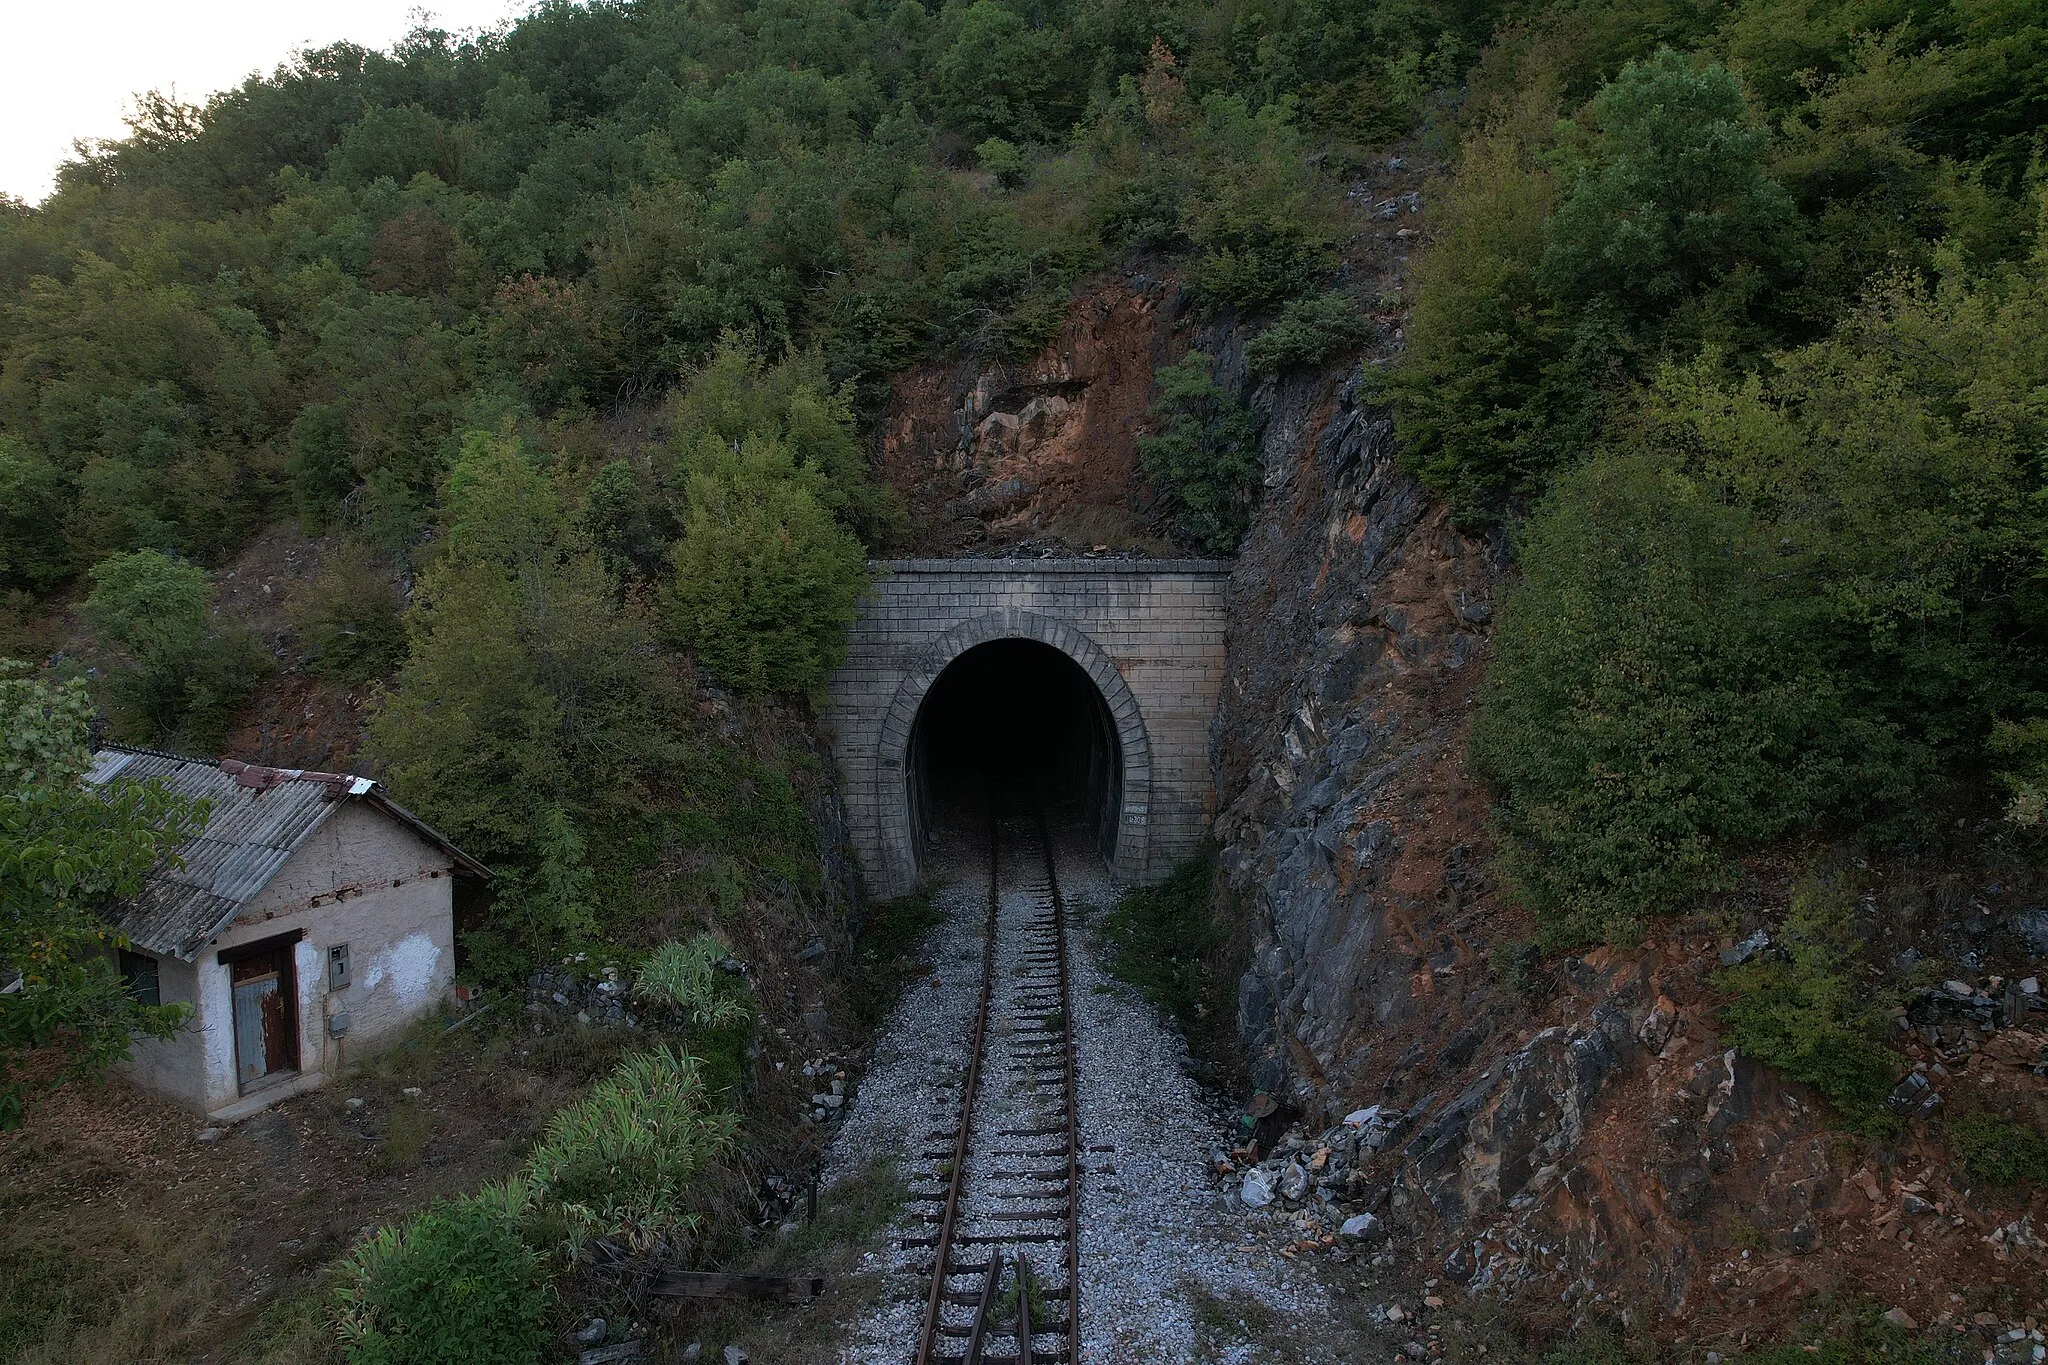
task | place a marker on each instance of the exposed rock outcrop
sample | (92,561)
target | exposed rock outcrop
(1602,1146)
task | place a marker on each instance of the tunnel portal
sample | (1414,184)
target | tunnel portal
(1101,672)
(1015,722)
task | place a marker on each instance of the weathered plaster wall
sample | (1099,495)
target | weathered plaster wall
(361,879)
(1150,632)
(171,1067)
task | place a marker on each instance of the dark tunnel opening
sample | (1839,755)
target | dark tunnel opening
(1015,720)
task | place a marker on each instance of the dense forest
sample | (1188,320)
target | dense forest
(1732,322)
(1733,315)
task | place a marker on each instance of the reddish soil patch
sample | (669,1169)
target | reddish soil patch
(988,458)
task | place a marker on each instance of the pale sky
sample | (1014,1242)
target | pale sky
(71,70)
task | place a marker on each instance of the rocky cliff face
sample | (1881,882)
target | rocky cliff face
(1590,1140)
(993,456)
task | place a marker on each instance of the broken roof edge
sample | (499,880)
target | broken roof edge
(260,778)
(376,796)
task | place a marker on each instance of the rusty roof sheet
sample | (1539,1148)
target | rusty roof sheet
(259,817)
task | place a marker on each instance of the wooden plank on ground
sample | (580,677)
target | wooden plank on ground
(709,1284)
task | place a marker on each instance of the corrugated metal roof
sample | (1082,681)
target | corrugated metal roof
(259,817)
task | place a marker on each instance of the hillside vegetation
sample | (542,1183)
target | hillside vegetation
(1734,312)
(1732,316)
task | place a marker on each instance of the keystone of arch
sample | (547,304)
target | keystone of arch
(899,852)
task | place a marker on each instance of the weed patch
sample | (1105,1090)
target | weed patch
(886,948)
(1805,1016)
(1998,1149)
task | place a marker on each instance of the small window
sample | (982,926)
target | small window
(138,974)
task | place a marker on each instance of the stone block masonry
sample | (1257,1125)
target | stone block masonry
(1150,633)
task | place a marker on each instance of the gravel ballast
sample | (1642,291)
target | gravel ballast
(1157,1238)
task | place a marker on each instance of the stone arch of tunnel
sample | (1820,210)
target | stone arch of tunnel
(1009,697)
(1149,636)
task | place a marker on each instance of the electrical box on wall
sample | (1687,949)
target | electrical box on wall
(337,967)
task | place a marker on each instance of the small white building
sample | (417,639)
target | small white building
(310,921)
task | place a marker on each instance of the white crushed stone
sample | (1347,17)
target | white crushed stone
(1155,1235)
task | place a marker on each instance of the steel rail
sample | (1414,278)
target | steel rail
(934,1310)
(1073,1107)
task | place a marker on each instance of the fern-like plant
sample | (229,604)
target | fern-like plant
(685,976)
(620,1160)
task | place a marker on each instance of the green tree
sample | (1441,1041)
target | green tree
(1670,194)
(1204,463)
(765,580)
(321,469)
(69,853)
(528,708)
(182,676)
(33,552)
(1003,79)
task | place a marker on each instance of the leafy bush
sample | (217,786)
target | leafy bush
(349,615)
(1773,603)
(1650,701)
(1475,403)
(685,977)
(737,395)
(1204,463)
(1809,1017)
(1307,333)
(183,676)
(766,582)
(1998,1150)
(454,1286)
(622,1159)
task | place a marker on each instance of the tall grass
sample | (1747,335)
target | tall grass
(620,1161)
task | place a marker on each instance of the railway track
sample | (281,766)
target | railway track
(1000,1189)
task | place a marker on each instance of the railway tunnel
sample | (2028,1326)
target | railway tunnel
(1093,680)
(1016,723)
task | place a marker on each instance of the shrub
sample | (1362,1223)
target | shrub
(621,1159)
(1204,463)
(1998,1149)
(766,581)
(1650,701)
(1005,161)
(685,976)
(737,395)
(454,1286)
(1307,333)
(1262,232)
(183,676)
(1808,1017)
(349,615)
(1476,418)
